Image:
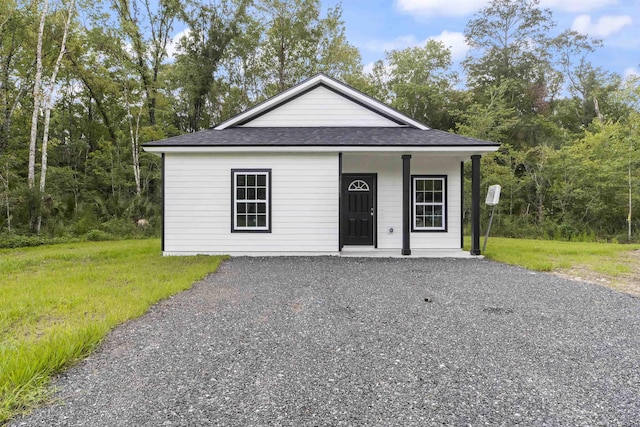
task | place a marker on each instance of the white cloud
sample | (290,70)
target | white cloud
(440,7)
(604,27)
(454,41)
(368,68)
(468,7)
(631,72)
(172,46)
(399,42)
(576,5)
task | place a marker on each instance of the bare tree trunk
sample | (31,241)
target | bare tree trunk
(37,94)
(5,181)
(134,135)
(136,154)
(596,105)
(47,112)
(43,165)
(540,207)
(630,193)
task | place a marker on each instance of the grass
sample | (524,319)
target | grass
(58,302)
(549,255)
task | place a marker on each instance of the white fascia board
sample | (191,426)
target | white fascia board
(334,84)
(445,150)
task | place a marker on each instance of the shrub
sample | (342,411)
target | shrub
(123,228)
(98,236)
(19,241)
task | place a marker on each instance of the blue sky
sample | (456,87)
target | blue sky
(378,25)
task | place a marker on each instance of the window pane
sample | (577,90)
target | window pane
(251,193)
(429,203)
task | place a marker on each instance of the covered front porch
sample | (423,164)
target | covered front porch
(408,203)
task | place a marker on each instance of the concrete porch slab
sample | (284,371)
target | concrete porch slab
(370,252)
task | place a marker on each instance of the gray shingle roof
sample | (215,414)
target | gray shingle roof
(320,136)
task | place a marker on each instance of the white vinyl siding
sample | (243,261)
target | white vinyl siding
(321,107)
(304,204)
(389,196)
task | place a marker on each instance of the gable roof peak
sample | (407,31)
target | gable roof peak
(311,83)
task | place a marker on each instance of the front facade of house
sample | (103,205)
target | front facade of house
(316,170)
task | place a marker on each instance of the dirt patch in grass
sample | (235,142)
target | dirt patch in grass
(627,281)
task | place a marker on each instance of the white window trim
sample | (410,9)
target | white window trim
(234,200)
(415,204)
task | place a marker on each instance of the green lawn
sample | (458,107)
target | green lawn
(548,255)
(57,303)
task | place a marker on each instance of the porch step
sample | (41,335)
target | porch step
(371,252)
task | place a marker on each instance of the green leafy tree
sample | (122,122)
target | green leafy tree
(601,177)
(16,63)
(422,83)
(510,49)
(594,92)
(376,82)
(146,27)
(491,121)
(509,40)
(201,51)
(299,43)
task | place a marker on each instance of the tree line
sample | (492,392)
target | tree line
(84,84)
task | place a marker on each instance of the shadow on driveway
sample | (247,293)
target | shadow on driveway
(335,341)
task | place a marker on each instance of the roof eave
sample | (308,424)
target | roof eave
(442,149)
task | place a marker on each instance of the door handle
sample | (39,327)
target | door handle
(371,211)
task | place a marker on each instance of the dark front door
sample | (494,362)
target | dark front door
(358,198)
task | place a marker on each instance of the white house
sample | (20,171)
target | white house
(317,170)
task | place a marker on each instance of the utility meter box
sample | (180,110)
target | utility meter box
(493,195)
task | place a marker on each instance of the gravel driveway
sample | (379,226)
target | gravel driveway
(335,341)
